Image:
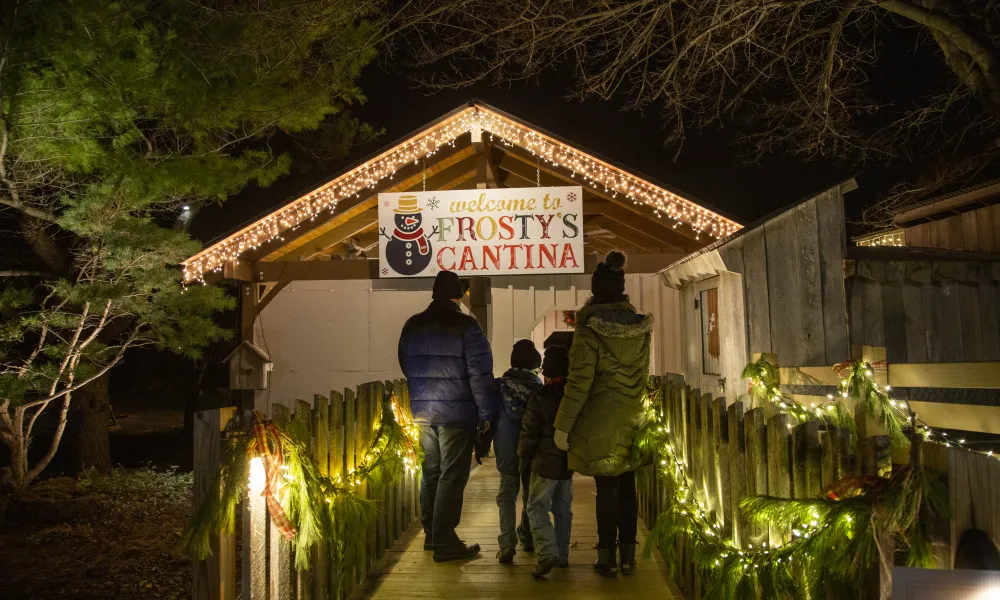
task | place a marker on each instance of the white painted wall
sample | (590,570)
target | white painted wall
(521,306)
(330,335)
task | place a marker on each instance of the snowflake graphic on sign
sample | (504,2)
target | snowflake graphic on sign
(385,271)
(387,204)
(571,197)
(433,203)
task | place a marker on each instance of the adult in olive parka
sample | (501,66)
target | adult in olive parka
(602,409)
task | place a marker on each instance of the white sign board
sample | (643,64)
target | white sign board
(504,231)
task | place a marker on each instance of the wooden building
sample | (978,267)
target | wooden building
(313,296)
(790,286)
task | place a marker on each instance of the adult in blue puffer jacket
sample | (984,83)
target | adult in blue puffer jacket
(448,364)
(516,386)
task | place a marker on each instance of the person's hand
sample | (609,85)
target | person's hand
(561,438)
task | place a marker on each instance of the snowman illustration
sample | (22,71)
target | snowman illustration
(408,250)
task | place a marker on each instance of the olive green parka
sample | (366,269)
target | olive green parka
(603,404)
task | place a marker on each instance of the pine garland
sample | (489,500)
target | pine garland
(835,540)
(320,508)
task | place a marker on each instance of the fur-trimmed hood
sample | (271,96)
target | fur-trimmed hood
(618,320)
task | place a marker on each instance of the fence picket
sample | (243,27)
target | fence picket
(737,469)
(280,550)
(350,461)
(779,480)
(756,463)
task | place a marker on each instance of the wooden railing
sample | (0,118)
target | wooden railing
(338,431)
(732,452)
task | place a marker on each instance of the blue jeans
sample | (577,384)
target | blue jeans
(443,475)
(555,495)
(507,501)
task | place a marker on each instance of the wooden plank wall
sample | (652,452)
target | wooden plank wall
(927,311)
(976,230)
(794,296)
(733,452)
(337,430)
(520,303)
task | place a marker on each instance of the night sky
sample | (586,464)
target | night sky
(711,170)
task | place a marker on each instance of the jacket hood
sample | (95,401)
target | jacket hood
(515,387)
(618,320)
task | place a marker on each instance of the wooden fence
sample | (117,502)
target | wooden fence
(732,452)
(338,431)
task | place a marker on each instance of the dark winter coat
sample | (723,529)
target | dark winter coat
(448,365)
(606,388)
(516,386)
(537,446)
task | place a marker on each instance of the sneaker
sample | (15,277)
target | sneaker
(563,563)
(528,547)
(428,546)
(457,551)
(544,566)
(606,564)
(506,556)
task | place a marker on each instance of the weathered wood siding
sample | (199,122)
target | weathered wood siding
(976,230)
(926,311)
(793,282)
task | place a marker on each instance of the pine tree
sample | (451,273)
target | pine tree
(115,118)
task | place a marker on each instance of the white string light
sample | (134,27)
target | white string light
(594,172)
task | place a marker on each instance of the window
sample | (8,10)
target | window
(711,353)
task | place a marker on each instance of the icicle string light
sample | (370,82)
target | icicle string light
(595,173)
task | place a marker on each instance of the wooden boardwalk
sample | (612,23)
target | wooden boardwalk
(412,573)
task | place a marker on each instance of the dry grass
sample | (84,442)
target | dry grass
(126,549)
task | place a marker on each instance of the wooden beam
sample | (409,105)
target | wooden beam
(323,243)
(951,205)
(638,237)
(657,230)
(407,177)
(946,375)
(563,178)
(485,169)
(368,269)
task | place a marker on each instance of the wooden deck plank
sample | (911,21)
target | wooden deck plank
(411,572)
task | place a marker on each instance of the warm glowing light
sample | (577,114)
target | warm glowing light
(257,476)
(503,131)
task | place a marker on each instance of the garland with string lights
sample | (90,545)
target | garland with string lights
(365,177)
(305,506)
(835,540)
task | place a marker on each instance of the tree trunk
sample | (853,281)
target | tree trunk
(87,442)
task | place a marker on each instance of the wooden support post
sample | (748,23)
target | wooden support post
(363,429)
(214,577)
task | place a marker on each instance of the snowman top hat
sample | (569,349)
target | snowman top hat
(407,205)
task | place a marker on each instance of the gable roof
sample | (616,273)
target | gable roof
(345,196)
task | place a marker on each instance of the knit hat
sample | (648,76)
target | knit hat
(447,286)
(524,356)
(556,363)
(609,277)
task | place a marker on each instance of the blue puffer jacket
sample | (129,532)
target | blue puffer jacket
(516,386)
(448,365)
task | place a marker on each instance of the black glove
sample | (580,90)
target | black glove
(483,441)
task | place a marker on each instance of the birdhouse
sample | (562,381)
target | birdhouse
(248,367)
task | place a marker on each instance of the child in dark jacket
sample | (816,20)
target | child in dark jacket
(551,487)
(516,386)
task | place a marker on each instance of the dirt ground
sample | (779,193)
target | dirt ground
(126,545)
